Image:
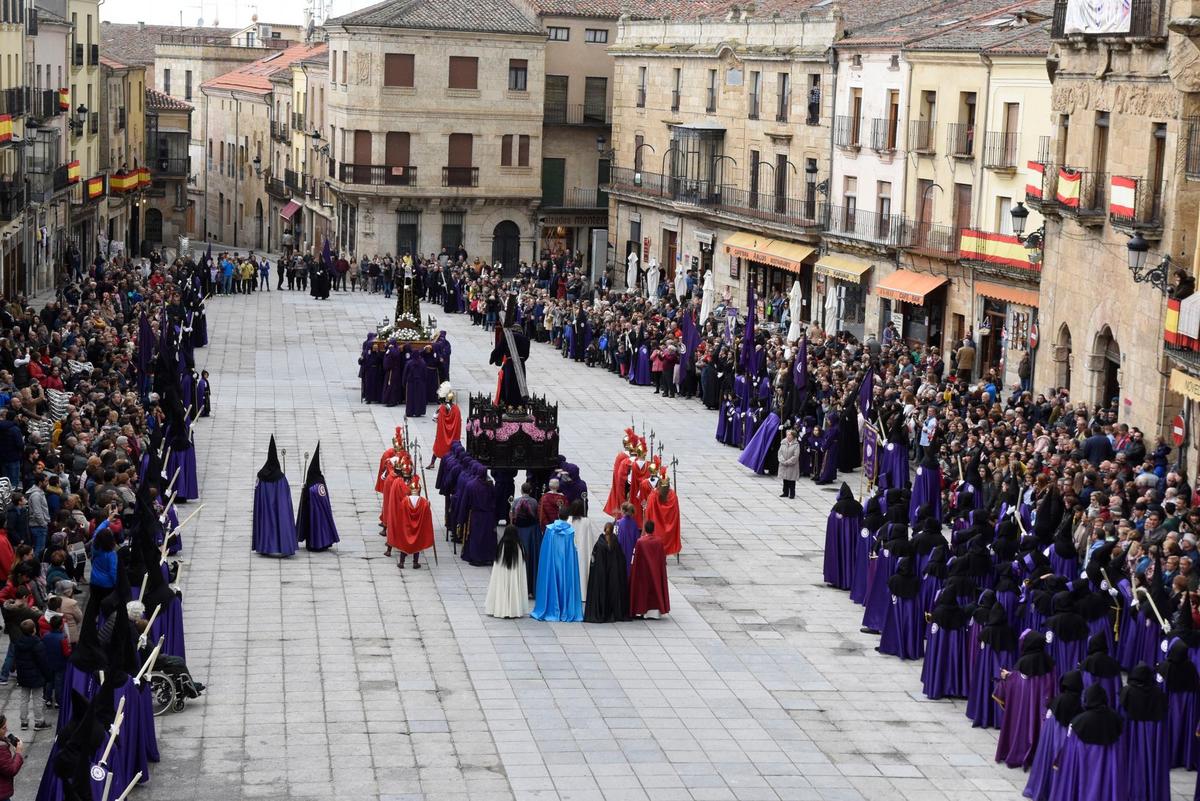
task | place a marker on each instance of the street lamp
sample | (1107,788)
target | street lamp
(256,162)
(1020,216)
(1138,251)
(1034,241)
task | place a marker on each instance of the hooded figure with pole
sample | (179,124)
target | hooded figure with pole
(273,525)
(315,526)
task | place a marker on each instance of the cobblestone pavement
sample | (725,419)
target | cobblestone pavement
(335,676)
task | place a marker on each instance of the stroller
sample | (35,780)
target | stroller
(172,685)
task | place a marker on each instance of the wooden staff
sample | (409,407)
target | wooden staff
(137,777)
(1154,609)
(150,660)
(175,533)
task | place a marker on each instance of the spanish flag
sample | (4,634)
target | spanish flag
(143,176)
(1068,187)
(123,182)
(1033,188)
(95,187)
(1123,197)
(64,99)
(6,129)
(73,172)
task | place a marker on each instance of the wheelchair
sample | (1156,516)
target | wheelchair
(172,686)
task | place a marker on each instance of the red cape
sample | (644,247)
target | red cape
(383,463)
(449,429)
(636,476)
(616,493)
(648,577)
(412,531)
(665,515)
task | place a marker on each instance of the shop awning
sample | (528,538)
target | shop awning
(773,252)
(288,211)
(907,286)
(1007,294)
(843,268)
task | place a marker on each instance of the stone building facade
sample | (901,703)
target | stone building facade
(1100,328)
(721,130)
(435,115)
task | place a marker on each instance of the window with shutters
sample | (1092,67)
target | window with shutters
(396,149)
(398,69)
(460,150)
(518,74)
(523,151)
(362,147)
(506,151)
(345,64)
(595,100)
(464,72)
(556,99)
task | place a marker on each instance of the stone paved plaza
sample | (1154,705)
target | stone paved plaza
(336,676)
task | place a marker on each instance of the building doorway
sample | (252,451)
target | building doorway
(506,246)
(154,226)
(1062,358)
(1107,355)
(258,225)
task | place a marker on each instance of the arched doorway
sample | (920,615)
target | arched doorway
(154,226)
(1062,358)
(1106,360)
(506,246)
(258,225)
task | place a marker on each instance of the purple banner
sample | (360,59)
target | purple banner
(870,451)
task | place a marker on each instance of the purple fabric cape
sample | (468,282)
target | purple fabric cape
(903,632)
(879,598)
(755,454)
(1042,772)
(841,534)
(416,392)
(944,674)
(314,522)
(273,529)
(185,461)
(982,709)
(1145,741)
(627,534)
(860,555)
(1025,699)
(893,467)
(927,489)
(1089,772)
(480,547)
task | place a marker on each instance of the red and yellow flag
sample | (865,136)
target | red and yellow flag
(6,128)
(1123,197)
(1069,182)
(143,176)
(64,99)
(73,172)
(1034,187)
(95,187)
(123,182)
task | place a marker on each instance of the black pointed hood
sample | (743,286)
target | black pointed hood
(1068,703)
(271,469)
(1098,723)
(846,505)
(314,475)
(1141,697)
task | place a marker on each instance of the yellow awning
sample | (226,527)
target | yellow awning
(843,268)
(773,252)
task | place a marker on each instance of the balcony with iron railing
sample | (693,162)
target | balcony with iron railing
(710,100)
(847,132)
(279,132)
(93,55)
(1191,160)
(276,188)
(1140,208)
(12,198)
(120,121)
(294,181)
(460,176)
(921,137)
(813,108)
(1147,20)
(723,200)
(755,106)
(884,230)
(15,101)
(1040,189)
(378,174)
(1045,143)
(171,166)
(933,239)
(580,198)
(782,104)
(960,140)
(77,56)
(1000,150)
(675,97)
(587,114)
(1082,193)
(884,134)
(298,121)
(44,104)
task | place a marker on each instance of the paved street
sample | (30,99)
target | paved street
(336,676)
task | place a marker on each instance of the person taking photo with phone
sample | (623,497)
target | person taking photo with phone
(12,757)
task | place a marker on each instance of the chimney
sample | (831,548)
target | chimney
(141,25)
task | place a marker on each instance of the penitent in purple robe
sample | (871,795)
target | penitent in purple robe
(755,454)
(828,449)
(416,393)
(841,532)
(315,526)
(273,527)
(893,466)
(926,490)
(480,545)
(639,374)
(944,674)
(1088,772)
(393,372)
(982,708)
(1024,693)
(861,552)
(878,595)
(627,535)
(1144,738)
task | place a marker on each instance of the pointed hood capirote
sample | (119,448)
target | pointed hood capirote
(846,504)
(314,475)
(271,469)
(1068,703)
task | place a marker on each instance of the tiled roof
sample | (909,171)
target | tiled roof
(134,43)
(1018,29)
(164,102)
(493,16)
(920,21)
(762,10)
(112,63)
(255,77)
